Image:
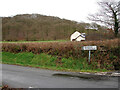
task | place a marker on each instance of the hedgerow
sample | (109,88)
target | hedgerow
(106,56)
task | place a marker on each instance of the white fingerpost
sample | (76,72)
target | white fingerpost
(89,48)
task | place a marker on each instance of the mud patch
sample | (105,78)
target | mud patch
(82,76)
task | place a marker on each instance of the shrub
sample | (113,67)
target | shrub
(106,54)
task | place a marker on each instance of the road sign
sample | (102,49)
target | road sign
(89,48)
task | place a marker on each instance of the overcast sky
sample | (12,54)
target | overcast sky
(76,10)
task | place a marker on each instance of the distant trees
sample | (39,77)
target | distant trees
(38,27)
(109,14)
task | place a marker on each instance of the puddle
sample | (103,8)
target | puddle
(81,76)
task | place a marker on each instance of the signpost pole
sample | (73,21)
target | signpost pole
(89,56)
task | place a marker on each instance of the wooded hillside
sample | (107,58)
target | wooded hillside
(31,27)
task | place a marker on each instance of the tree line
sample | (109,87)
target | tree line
(32,27)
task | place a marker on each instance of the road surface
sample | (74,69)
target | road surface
(25,77)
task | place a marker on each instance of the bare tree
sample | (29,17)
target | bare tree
(109,14)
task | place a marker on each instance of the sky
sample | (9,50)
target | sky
(76,10)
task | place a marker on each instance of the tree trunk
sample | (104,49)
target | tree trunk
(116,29)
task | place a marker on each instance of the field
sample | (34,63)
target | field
(65,55)
(32,41)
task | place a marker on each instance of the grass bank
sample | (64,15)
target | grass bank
(49,62)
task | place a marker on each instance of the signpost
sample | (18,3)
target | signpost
(89,48)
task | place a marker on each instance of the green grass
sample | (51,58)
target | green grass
(32,41)
(49,62)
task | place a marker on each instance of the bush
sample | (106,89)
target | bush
(106,54)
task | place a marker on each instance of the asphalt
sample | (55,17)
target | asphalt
(27,77)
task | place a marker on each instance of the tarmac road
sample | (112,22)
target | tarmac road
(25,77)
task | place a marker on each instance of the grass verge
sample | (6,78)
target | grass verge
(49,62)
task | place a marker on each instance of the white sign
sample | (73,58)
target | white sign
(89,48)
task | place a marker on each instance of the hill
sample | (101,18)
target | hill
(33,27)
